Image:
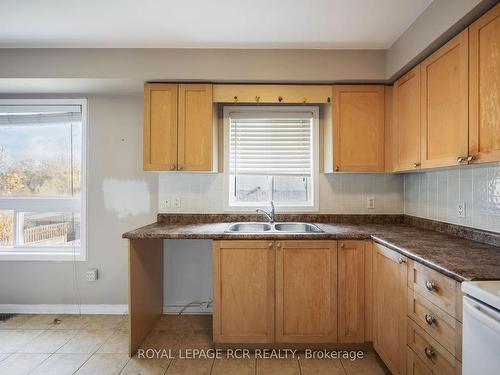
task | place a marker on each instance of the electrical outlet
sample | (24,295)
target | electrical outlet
(370,202)
(166,203)
(91,274)
(461,209)
(176,202)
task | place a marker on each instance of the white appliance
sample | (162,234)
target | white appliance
(481,328)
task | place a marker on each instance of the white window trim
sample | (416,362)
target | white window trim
(62,253)
(227,110)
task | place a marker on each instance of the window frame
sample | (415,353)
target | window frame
(18,204)
(227,110)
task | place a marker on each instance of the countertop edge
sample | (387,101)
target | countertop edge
(424,261)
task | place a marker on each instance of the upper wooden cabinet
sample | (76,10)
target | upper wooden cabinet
(407,121)
(243,289)
(179,129)
(444,103)
(484,88)
(160,127)
(196,133)
(306,291)
(390,301)
(358,128)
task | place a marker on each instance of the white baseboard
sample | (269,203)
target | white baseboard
(91,309)
(63,309)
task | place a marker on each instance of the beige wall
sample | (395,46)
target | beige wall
(437,24)
(194,64)
(115,152)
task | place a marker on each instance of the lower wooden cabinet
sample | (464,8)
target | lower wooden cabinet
(351,291)
(306,291)
(431,352)
(243,289)
(415,366)
(436,322)
(390,300)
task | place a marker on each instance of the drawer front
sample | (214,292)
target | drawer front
(441,326)
(415,366)
(433,354)
(437,288)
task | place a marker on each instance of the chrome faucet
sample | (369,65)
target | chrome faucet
(271,215)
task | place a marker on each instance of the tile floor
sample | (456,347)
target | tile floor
(98,344)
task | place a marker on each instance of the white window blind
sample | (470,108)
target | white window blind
(276,144)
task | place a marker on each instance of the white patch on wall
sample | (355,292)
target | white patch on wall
(126,197)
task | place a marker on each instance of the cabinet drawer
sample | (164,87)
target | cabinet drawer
(415,366)
(435,287)
(437,323)
(433,354)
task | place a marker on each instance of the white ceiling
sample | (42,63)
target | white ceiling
(206,23)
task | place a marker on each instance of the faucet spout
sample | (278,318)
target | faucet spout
(271,215)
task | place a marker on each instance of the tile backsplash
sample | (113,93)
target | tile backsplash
(338,193)
(436,194)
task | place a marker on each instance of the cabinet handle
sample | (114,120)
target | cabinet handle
(471,157)
(337,168)
(416,165)
(304,100)
(270,244)
(342,245)
(401,260)
(278,244)
(235,99)
(429,319)
(280,99)
(429,352)
(180,167)
(461,159)
(173,168)
(430,285)
(257,99)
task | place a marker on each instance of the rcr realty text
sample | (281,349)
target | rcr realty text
(246,353)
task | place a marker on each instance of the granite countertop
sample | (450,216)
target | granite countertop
(459,258)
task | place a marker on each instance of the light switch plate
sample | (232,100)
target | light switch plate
(461,209)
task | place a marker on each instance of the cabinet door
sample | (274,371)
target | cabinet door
(445,104)
(351,291)
(407,118)
(243,289)
(196,131)
(484,87)
(160,127)
(306,289)
(358,122)
(390,294)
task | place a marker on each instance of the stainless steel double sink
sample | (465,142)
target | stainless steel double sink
(286,227)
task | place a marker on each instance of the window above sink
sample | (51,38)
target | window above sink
(271,153)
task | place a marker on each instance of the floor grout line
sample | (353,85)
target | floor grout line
(33,369)
(84,362)
(212,367)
